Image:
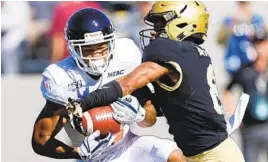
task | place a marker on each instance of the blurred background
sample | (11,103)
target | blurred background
(32,37)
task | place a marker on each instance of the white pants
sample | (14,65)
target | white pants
(133,148)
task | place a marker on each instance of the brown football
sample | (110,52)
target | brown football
(100,118)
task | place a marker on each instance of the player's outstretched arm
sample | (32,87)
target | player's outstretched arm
(49,122)
(145,73)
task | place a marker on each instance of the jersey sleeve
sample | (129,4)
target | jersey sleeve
(161,51)
(51,90)
(174,55)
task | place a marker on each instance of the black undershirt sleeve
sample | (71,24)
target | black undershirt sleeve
(49,149)
(106,95)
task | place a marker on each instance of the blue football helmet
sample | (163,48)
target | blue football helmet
(86,27)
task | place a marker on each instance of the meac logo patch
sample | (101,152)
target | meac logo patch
(116,73)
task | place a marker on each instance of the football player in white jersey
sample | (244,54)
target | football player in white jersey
(97,57)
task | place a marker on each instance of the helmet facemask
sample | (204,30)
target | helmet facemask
(159,22)
(93,65)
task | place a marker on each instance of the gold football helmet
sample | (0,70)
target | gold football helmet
(178,20)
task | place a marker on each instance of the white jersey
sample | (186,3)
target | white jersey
(133,148)
(64,79)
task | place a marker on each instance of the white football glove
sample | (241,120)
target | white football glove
(92,147)
(128,110)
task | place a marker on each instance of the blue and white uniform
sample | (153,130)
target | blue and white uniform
(65,79)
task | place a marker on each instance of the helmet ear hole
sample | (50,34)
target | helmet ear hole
(182,25)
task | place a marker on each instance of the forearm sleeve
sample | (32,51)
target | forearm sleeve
(55,149)
(107,94)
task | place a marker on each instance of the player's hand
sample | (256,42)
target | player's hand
(128,110)
(92,147)
(75,114)
(74,108)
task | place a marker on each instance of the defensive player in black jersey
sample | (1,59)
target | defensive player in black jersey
(184,81)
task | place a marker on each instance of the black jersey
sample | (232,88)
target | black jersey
(191,105)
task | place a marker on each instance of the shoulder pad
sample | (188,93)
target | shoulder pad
(54,83)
